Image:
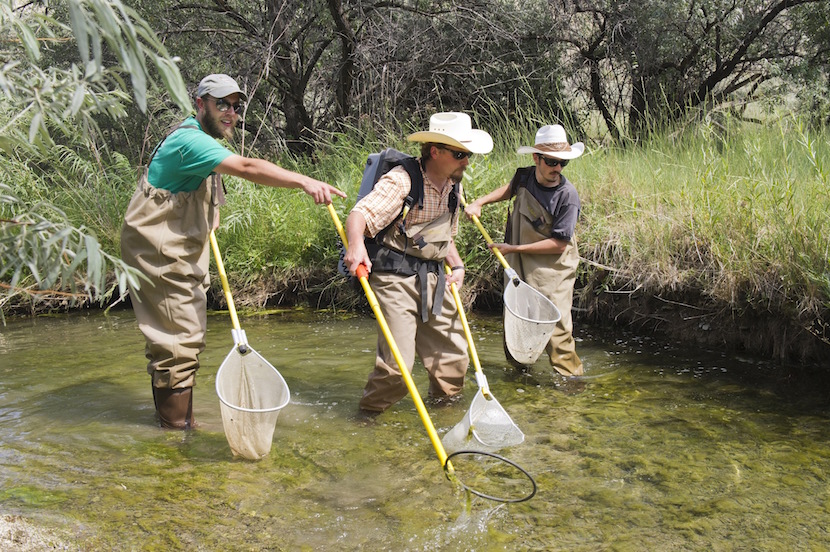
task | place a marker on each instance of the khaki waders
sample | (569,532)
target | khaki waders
(552,275)
(165,236)
(439,342)
(422,319)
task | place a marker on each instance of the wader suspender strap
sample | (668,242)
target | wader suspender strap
(438,300)
(158,146)
(522,176)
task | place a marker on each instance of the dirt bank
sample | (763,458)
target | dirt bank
(687,315)
(797,341)
(788,341)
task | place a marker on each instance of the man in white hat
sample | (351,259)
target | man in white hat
(540,242)
(405,254)
(165,236)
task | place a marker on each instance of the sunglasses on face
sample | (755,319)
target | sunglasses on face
(457,155)
(553,162)
(223,105)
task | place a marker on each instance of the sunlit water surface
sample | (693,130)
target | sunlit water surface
(656,448)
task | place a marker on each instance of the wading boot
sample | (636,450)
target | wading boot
(174,407)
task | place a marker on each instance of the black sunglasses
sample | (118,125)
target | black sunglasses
(553,162)
(457,155)
(223,105)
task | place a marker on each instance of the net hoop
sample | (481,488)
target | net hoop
(530,319)
(230,371)
(485,495)
(544,305)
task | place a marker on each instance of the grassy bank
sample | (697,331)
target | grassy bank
(726,230)
(714,233)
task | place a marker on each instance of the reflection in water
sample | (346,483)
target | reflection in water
(655,448)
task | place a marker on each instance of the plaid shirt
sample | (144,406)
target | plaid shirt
(383,204)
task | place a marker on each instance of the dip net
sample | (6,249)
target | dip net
(529,321)
(251,393)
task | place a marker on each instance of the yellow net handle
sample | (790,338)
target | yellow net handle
(481,379)
(363,275)
(487,237)
(238,335)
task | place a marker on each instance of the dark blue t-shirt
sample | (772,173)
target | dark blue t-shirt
(561,201)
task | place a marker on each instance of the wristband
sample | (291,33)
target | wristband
(459,267)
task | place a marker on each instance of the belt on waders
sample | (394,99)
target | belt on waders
(390,261)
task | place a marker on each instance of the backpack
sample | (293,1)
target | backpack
(377,165)
(381,163)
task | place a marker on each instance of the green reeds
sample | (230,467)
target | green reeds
(734,212)
(738,214)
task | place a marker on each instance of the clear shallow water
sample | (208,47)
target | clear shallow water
(657,448)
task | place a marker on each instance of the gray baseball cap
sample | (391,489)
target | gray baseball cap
(219,86)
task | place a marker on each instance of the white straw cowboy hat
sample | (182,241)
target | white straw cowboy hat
(454,129)
(552,142)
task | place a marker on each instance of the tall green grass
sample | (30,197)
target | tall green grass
(736,214)
(742,216)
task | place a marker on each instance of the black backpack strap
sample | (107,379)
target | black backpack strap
(415,196)
(388,260)
(522,176)
(416,179)
(452,201)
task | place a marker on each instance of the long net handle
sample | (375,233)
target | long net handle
(487,237)
(481,380)
(224,277)
(362,275)
(238,335)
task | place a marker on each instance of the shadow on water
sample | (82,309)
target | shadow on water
(656,447)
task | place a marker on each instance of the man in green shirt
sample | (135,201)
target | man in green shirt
(165,236)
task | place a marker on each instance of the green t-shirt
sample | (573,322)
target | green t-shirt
(186,158)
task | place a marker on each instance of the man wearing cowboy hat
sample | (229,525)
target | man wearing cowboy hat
(540,243)
(405,255)
(165,236)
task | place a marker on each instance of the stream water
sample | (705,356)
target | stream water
(656,448)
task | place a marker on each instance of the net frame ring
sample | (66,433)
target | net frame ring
(501,459)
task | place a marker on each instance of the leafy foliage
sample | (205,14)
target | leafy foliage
(44,98)
(112,40)
(646,63)
(41,252)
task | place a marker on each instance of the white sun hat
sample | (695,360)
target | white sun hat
(551,141)
(454,129)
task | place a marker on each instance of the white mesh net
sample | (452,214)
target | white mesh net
(251,394)
(529,321)
(486,427)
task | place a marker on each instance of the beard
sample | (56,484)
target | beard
(456,176)
(215,129)
(552,180)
